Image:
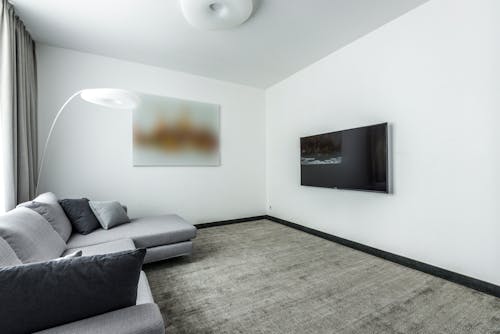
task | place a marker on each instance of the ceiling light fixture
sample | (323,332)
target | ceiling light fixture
(216,14)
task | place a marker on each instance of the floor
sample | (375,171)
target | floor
(262,277)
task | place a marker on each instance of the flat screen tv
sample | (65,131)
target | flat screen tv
(354,159)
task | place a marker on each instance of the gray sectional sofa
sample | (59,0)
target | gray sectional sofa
(163,237)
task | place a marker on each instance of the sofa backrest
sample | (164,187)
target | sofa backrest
(47,205)
(30,236)
(7,255)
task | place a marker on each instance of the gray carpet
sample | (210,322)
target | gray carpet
(262,277)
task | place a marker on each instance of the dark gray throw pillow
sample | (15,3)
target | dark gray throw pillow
(80,215)
(43,295)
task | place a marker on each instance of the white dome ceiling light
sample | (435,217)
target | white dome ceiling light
(216,14)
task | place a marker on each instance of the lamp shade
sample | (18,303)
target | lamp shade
(111,98)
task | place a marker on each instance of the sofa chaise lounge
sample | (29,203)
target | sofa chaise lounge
(163,237)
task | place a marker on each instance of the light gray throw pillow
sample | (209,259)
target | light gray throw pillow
(109,213)
(30,236)
(48,212)
(46,204)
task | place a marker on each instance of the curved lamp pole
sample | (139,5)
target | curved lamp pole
(106,97)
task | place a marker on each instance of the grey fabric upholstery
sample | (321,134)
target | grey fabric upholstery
(109,213)
(164,237)
(30,236)
(144,295)
(47,212)
(60,221)
(168,251)
(146,232)
(104,248)
(138,319)
(7,255)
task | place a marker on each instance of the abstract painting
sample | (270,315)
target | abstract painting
(175,132)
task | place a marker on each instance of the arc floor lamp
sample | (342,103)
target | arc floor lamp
(107,97)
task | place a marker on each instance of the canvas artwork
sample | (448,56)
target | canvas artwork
(175,132)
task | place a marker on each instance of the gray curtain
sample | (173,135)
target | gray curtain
(18,110)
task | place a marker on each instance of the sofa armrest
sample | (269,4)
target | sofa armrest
(138,319)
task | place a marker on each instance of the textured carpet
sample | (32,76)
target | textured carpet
(262,277)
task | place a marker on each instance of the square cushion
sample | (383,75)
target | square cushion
(30,236)
(43,295)
(80,215)
(145,232)
(46,204)
(109,213)
(104,248)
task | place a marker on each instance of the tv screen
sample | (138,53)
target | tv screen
(349,159)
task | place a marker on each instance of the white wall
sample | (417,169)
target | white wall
(90,154)
(433,74)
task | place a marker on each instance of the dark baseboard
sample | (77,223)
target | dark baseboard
(230,221)
(467,281)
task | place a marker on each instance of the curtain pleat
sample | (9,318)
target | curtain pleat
(18,110)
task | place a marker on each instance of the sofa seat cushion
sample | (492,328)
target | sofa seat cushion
(146,232)
(104,248)
(137,319)
(30,236)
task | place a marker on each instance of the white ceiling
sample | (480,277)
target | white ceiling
(282,36)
